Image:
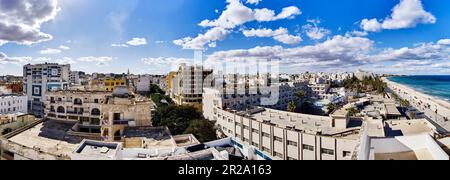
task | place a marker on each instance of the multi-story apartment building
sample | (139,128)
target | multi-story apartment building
(143,82)
(77,78)
(42,78)
(111,83)
(289,136)
(98,113)
(123,109)
(318,91)
(82,107)
(187,85)
(11,104)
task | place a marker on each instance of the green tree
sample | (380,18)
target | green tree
(176,118)
(307,107)
(155,89)
(158,99)
(202,129)
(292,107)
(331,107)
(412,115)
(405,104)
(352,111)
(6,131)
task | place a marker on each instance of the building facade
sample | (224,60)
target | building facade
(40,79)
(81,107)
(111,83)
(187,85)
(11,104)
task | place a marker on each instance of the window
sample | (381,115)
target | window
(266,149)
(266,135)
(116,116)
(245,127)
(292,143)
(278,139)
(278,155)
(255,131)
(255,144)
(308,147)
(327,151)
(347,153)
(291,159)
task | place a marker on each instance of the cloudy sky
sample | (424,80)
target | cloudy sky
(151,36)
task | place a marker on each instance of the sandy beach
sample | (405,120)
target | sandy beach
(434,107)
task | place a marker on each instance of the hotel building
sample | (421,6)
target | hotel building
(40,79)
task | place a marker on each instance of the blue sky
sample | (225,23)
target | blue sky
(313,35)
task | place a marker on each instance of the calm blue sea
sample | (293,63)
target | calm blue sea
(438,86)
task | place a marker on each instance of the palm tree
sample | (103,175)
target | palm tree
(301,95)
(292,107)
(331,107)
(404,103)
(352,112)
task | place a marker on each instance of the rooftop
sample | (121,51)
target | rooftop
(50,137)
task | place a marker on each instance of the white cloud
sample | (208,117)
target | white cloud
(133,42)
(66,60)
(50,51)
(4,59)
(137,42)
(406,14)
(288,39)
(347,50)
(313,31)
(371,25)
(212,35)
(64,47)
(119,45)
(254,2)
(265,32)
(234,15)
(165,64)
(212,45)
(103,60)
(357,33)
(421,52)
(20,21)
(281,35)
(444,42)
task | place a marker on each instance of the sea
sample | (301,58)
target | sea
(437,86)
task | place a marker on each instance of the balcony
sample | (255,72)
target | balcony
(121,122)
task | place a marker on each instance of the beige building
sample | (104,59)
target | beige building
(123,110)
(98,113)
(81,107)
(187,85)
(290,136)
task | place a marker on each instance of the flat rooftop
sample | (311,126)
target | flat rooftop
(50,137)
(405,128)
(311,124)
(98,149)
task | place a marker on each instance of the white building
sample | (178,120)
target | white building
(143,82)
(42,78)
(77,78)
(187,86)
(11,104)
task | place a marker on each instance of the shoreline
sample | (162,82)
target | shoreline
(422,91)
(439,104)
